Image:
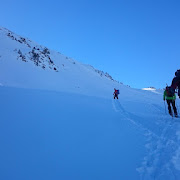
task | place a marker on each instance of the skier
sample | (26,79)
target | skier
(170,97)
(176,82)
(116,92)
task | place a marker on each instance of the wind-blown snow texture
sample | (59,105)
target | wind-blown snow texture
(63,123)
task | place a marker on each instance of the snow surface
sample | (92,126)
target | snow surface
(65,124)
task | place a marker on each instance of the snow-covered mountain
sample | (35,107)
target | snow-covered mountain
(26,64)
(59,121)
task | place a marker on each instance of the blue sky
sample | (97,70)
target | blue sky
(136,41)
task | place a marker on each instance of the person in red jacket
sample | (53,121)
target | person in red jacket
(116,92)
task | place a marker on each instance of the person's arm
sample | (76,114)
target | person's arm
(174,97)
(179,90)
(175,82)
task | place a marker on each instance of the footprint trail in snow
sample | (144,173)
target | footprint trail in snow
(162,159)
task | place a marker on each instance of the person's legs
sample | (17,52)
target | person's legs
(115,96)
(174,108)
(169,107)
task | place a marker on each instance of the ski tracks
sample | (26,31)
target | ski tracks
(162,160)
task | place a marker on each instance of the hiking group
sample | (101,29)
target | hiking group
(169,93)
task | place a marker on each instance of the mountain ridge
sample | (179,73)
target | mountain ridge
(29,59)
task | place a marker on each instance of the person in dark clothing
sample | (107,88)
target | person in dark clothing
(170,98)
(116,92)
(176,82)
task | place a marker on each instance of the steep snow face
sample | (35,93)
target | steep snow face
(26,64)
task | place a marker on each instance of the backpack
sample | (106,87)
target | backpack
(170,92)
(116,92)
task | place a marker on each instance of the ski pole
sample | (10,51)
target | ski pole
(165,107)
(177,108)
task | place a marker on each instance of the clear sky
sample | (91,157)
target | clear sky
(135,41)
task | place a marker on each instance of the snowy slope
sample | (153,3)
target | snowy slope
(58,135)
(63,123)
(26,64)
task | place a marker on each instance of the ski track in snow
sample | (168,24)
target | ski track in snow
(162,148)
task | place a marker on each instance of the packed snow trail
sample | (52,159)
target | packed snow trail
(163,138)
